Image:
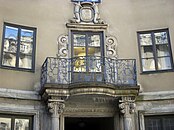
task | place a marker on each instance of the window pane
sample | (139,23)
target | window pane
(162,50)
(164,63)
(10,45)
(79,64)
(153,124)
(148,64)
(94,64)
(25,61)
(161,38)
(145,39)
(10,41)
(94,59)
(9,59)
(169,124)
(21,124)
(26,48)
(79,51)
(5,123)
(94,40)
(94,51)
(79,39)
(26,35)
(11,33)
(147,51)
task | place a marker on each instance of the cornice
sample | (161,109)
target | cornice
(74,91)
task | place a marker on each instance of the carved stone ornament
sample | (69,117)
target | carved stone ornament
(127,106)
(111,47)
(62,46)
(56,108)
(86,12)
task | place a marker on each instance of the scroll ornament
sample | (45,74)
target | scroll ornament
(111,47)
(56,108)
(62,46)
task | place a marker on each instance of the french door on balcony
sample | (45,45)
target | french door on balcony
(87,53)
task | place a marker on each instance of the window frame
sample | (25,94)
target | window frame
(154,52)
(13,117)
(160,117)
(17,67)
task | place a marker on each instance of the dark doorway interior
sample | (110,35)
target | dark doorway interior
(106,123)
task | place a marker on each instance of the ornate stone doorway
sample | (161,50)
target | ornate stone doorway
(89,123)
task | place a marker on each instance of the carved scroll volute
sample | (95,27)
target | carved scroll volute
(56,108)
(62,46)
(127,106)
(111,47)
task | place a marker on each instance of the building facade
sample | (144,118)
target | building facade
(86,64)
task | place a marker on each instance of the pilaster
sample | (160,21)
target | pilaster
(127,108)
(56,108)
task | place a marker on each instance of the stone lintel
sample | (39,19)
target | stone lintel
(86,26)
(19,94)
(151,96)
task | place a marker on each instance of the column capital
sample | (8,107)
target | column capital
(127,105)
(56,108)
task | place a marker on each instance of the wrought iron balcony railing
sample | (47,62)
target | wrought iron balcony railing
(120,72)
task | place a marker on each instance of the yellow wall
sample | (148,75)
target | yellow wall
(125,18)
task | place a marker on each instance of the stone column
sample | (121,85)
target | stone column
(127,106)
(56,109)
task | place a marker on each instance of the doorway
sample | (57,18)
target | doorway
(86,123)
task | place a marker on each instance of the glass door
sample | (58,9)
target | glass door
(87,56)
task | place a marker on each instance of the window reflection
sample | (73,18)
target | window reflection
(161,38)
(148,64)
(145,39)
(94,40)
(155,50)
(25,61)
(79,40)
(18,45)
(87,51)
(11,33)
(162,50)
(147,51)
(5,123)
(21,124)
(164,63)
(26,35)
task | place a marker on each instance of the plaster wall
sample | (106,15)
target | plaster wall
(124,18)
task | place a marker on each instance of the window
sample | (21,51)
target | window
(87,53)
(155,50)
(18,47)
(14,122)
(159,123)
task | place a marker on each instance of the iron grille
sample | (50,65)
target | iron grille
(81,69)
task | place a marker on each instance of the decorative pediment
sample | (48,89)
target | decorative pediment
(86,12)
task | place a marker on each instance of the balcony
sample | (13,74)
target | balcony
(91,71)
